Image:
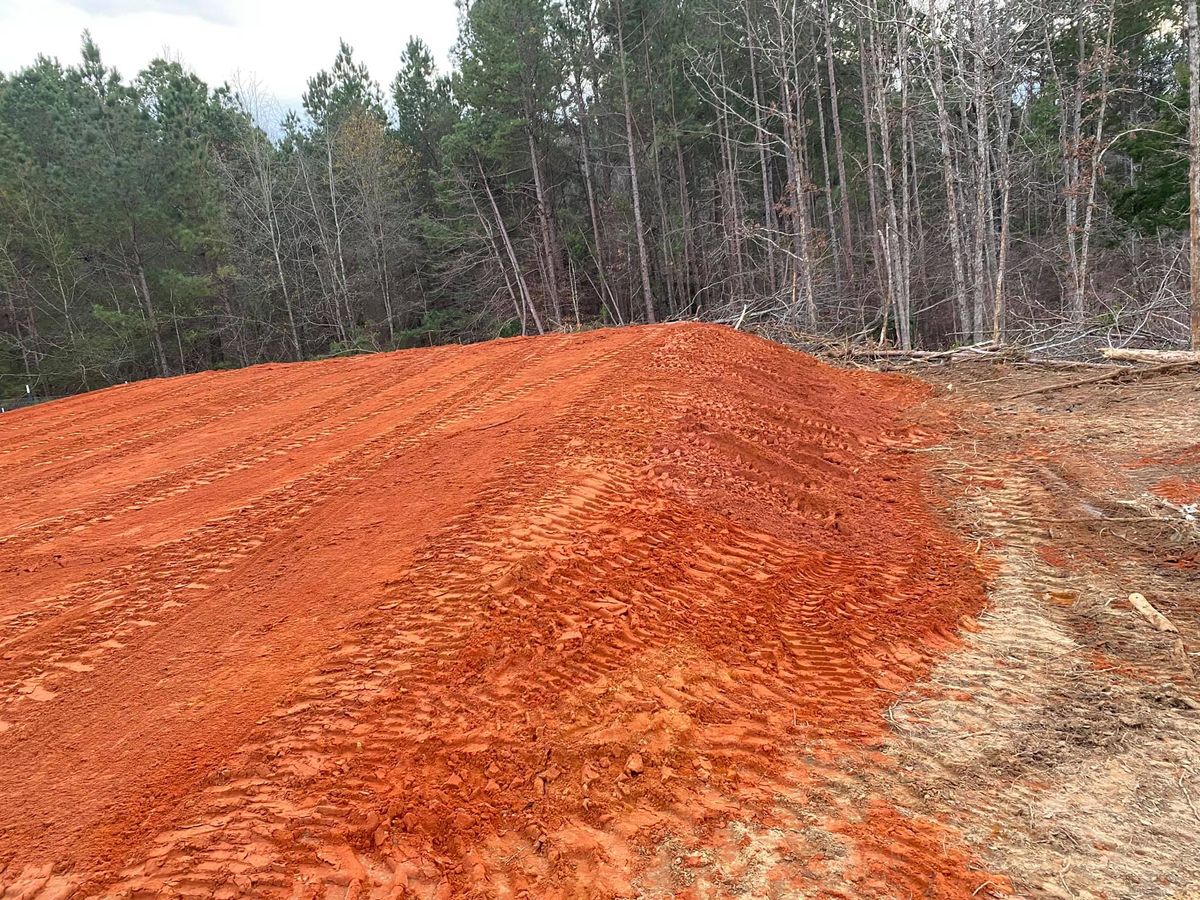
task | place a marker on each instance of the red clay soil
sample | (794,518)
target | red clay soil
(1178,490)
(498,620)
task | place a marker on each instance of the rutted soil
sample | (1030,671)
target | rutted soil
(1062,739)
(590,615)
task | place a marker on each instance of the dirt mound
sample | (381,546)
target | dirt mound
(575,615)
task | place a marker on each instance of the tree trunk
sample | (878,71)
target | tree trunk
(950,179)
(287,300)
(1072,148)
(803,211)
(896,277)
(143,287)
(544,214)
(872,175)
(27,357)
(769,219)
(1194,167)
(1095,157)
(1002,101)
(337,229)
(904,309)
(647,296)
(838,148)
(585,153)
(664,235)
(982,173)
(518,305)
(334,291)
(835,240)
(731,196)
(797,179)
(512,254)
(685,218)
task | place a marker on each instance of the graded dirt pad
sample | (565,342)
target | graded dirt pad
(585,615)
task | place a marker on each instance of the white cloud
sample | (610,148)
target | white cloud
(218,11)
(277,43)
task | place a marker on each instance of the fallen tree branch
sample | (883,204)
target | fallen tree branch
(988,347)
(1099,520)
(742,318)
(1164,356)
(1150,614)
(1179,650)
(1095,379)
(1067,364)
(491,425)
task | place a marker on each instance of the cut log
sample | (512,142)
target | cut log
(742,317)
(1154,356)
(985,348)
(1125,372)
(1150,614)
(1069,364)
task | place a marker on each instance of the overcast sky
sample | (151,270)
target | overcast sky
(278,43)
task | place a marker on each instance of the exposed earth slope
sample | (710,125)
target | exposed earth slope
(573,616)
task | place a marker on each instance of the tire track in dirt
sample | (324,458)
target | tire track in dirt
(202,485)
(375,393)
(160,579)
(570,626)
(64,463)
(202,473)
(1068,755)
(459,404)
(325,710)
(61,437)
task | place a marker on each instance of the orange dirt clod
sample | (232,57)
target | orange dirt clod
(1178,490)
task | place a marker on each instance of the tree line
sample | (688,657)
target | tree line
(923,172)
